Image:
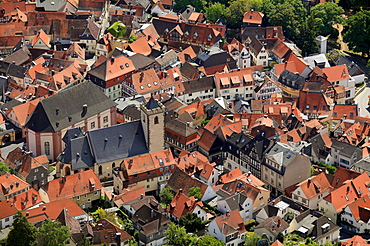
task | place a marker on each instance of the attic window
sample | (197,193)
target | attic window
(209,38)
(57,124)
(195,35)
(141,87)
(69,118)
(149,85)
(127,65)
(57,111)
(155,83)
(121,67)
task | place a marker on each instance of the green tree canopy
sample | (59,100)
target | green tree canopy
(195,192)
(215,11)
(306,40)
(23,233)
(327,14)
(358,32)
(117,29)
(166,195)
(208,240)
(53,234)
(4,167)
(191,222)
(84,242)
(176,235)
(251,239)
(289,15)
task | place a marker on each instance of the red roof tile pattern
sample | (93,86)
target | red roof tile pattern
(73,185)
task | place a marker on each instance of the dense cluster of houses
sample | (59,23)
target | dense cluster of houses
(172,104)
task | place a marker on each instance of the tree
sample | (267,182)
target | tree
(23,233)
(327,14)
(208,240)
(357,32)
(251,239)
(215,11)
(166,195)
(197,4)
(176,235)
(191,222)
(289,15)
(306,40)
(132,38)
(4,167)
(195,192)
(280,237)
(117,29)
(235,12)
(84,242)
(53,234)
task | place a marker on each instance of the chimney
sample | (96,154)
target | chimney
(180,190)
(309,180)
(141,196)
(79,176)
(44,208)
(228,213)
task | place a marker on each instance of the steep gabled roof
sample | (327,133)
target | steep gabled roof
(68,107)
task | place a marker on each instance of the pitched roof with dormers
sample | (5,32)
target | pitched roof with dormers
(53,114)
(11,184)
(72,186)
(336,73)
(360,209)
(341,175)
(22,201)
(112,68)
(349,192)
(315,186)
(128,194)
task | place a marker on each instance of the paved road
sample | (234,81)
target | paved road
(362,102)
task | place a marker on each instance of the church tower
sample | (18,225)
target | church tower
(152,120)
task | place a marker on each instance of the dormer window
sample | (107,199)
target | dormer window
(195,36)
(209,38)
(127,65)
(186,34)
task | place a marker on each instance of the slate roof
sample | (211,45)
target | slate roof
(291,80)
(66,108)
(199,85)
(152,104)
(117,142)
(346,149)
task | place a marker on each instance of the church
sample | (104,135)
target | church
(103,149)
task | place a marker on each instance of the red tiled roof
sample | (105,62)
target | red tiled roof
(254,17)
(52,210)
(41,35)
(315,186)
(230,223)
(355,241)
(73,185)
(128,194)
(182,204)
(10,184)
(360,209)
(22,111)
(348,192)
(341,175)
